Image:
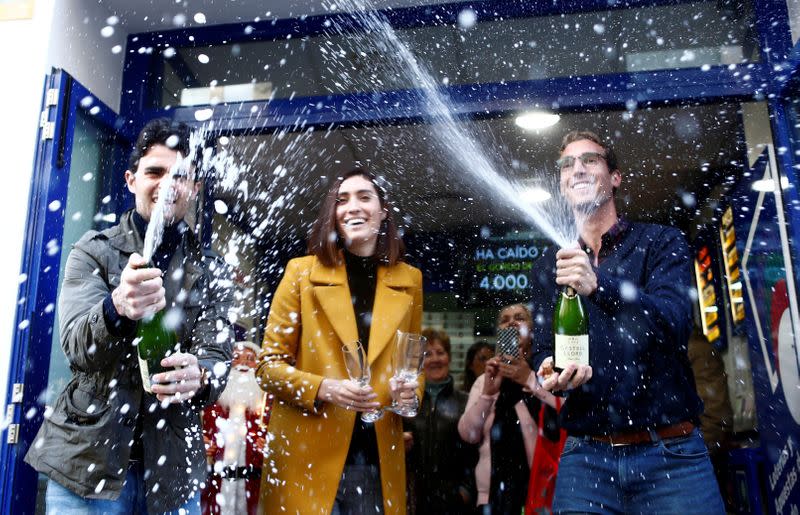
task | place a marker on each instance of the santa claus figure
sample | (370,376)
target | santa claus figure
(234,431)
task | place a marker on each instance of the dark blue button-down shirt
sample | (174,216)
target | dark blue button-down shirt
(640,319)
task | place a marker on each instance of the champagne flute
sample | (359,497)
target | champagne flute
(409,354)
(355,360)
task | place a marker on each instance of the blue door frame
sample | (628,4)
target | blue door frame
(775,76)
(42,249)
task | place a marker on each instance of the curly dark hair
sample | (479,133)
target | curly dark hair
(157,132)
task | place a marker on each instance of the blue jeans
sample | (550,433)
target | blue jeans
(62,501)
(664,477)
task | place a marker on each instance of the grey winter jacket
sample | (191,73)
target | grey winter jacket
(85,440)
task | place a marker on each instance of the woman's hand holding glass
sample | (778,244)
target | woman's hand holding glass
(348,394)
(404,395)
(407,360)
(358,391)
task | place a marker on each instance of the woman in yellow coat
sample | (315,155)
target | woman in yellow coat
(322,458)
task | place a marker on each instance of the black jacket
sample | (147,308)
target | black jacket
(440,464)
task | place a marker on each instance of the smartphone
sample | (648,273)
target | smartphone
(508,342)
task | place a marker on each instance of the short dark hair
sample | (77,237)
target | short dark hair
(610,155)
(324,240)
(438,335)
(157,132)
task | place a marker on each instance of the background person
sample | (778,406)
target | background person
(475,362)
(716,421)
(501,416)
(109,446)
(234,431)
(442,465)
(634,408)
(353,286)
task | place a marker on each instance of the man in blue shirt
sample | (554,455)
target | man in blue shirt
(632,413)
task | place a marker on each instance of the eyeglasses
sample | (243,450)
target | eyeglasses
(589,160)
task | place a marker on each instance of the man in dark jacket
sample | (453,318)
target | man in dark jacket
(632,413)
(107,445)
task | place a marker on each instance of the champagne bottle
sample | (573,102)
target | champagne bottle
(571,330)
(154,341)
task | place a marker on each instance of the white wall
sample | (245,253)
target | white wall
(757,129)
(64,34)
(24,60)
(78,46)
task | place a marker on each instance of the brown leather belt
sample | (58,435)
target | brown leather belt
(637,437)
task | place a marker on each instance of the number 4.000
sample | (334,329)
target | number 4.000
(504,282)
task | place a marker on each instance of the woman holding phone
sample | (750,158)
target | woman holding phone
(501,415)
(353,286)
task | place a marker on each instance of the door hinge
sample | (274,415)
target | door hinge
(13,433)
(16,392)
(48,131)
(51,97)
(43,118)
(9,414)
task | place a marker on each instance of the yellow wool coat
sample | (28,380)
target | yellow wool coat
(311,317)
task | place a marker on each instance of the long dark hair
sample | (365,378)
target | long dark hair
(324,240)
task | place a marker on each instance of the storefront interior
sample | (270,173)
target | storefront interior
(674,85)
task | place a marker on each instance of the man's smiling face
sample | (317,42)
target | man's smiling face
(587,186)
(144,182)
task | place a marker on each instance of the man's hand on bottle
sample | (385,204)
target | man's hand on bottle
(574,269)
(180,384)
(572,376)
(140,291)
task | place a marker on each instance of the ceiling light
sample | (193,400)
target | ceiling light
(769,184)
(535,194)
(535,120)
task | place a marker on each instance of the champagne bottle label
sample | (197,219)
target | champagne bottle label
(145,371)
(573,348)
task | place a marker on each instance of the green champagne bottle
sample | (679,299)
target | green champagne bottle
(571,330)
(154,342)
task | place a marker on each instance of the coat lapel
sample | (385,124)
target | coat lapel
(333,294)
(392,307)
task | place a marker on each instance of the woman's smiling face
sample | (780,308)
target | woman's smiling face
(359,215)
(437,362)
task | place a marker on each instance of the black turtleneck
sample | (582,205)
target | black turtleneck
(362,278)
(169,241)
